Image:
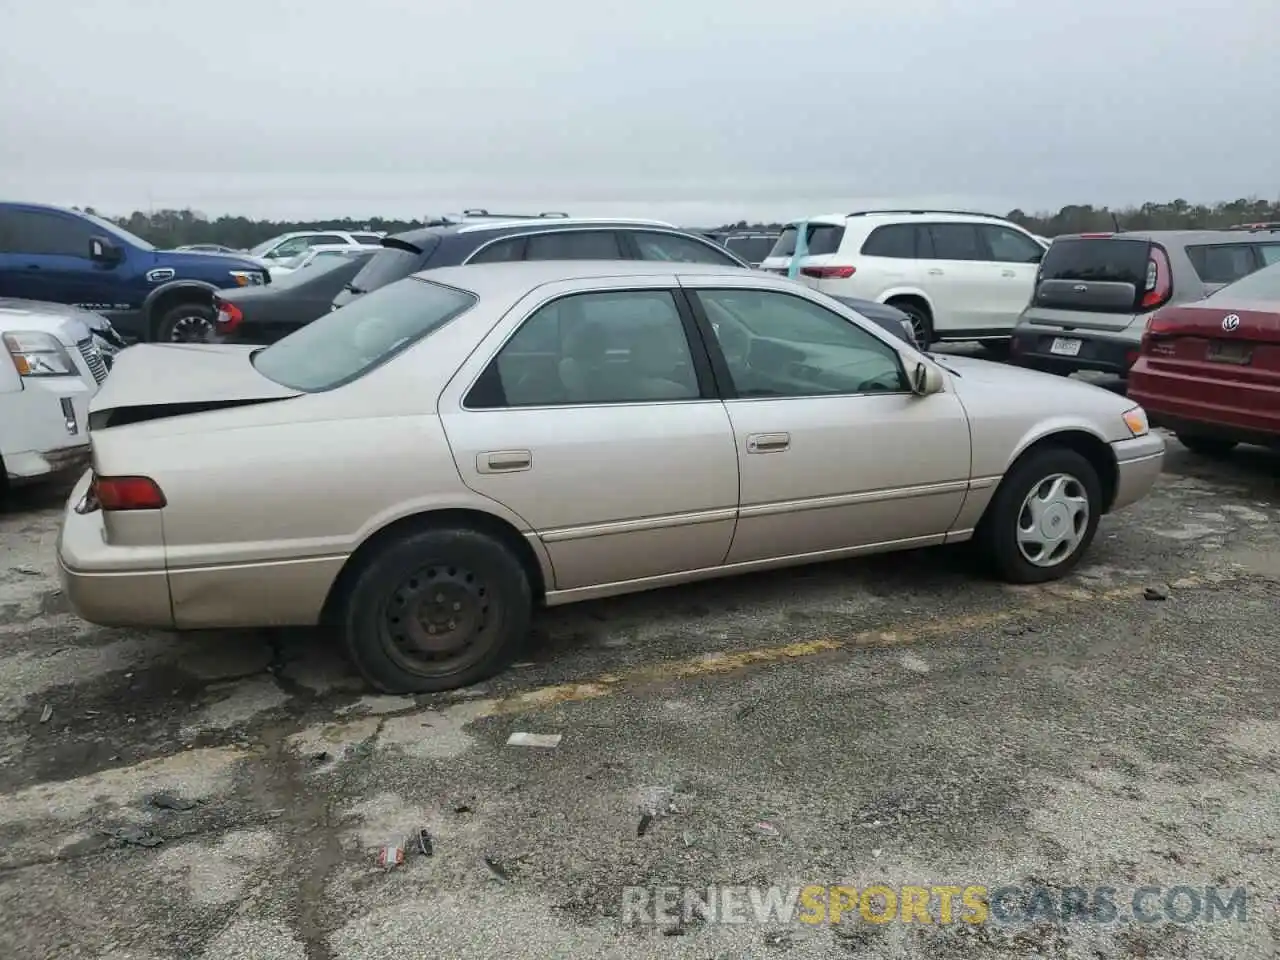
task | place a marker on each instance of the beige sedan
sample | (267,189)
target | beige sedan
(424,467)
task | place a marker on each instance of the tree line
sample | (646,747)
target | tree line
(172,228)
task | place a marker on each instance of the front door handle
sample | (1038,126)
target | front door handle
(935,272)
(504,461)
(768,442)
(1008,273)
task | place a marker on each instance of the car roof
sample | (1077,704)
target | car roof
(415,237)
(905,214)
(1178,236)
(484,278)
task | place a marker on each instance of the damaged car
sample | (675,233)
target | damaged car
(423,468)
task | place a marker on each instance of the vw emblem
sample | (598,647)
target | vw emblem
(1231,322)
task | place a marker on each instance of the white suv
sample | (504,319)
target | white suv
(959,276)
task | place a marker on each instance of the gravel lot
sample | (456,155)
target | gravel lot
(890,721)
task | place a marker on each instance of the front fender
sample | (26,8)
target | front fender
(203,287)
(1046,428)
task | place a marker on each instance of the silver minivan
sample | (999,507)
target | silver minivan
(1094,291)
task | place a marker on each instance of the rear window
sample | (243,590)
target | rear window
(346,344)
(1261,286)
(750,249)
(822,238)
(392,263)
(1223,262)
(1103,260)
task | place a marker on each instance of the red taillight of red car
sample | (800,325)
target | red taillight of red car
(127,493)
(1159,287)
(1156,329)
(828,273)
(229,317)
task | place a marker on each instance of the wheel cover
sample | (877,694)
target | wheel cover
(192,328)
(439,620)
(1053,520)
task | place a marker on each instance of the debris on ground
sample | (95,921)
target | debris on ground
(643,828)
(522,739)
(168,801)
(687,837)
(390,856)
(422,841)
(462,808)
(1156,591)
(46,713)
(915,664)
(320,758)
(28,571)
(134,836)
(766,829)
(497,869)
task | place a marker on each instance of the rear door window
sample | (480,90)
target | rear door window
(896,240)
(1106,274)
(822,239)
(1223,262)
(574,245)
(956,241)
(500,251)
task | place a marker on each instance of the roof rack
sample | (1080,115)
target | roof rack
(546,215)
(1265,225)
(958,213)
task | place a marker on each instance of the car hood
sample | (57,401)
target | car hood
(54,312)
(205,261)
(152,380)
(66,327)
(999,393)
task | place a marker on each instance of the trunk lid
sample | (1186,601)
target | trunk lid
(1237,341)
(1093,282)
(150,381)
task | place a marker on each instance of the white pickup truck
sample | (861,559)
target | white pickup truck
(52,360)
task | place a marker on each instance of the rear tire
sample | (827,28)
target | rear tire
(436,610)
(921,322)
(1206,446)
(1012,525)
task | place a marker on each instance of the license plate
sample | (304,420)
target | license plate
(1066,347)
(1228,352)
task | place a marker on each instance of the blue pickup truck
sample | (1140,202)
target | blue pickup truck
(66,256)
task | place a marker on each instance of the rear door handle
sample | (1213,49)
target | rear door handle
(768,442)
(504,461)
(935,272)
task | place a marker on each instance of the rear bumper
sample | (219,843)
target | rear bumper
(113,586)
(1138,464)
(1105,351)
(1241,411)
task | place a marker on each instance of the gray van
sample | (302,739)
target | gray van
(1094,291)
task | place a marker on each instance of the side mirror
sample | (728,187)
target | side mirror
(925,379)
(102,250)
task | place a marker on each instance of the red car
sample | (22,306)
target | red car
(1210,370)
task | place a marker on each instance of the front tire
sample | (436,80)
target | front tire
(437,610)
(188,323)
(1043,517)
(1206,446)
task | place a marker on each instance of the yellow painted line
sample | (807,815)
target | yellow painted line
(1034,599)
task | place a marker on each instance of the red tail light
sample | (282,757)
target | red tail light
(127,493)
(1156,328)
(1159,280)
(229,317)
(829,273)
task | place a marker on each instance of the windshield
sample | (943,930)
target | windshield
(1264,285)
(345,344)
(263,247)
(119,232)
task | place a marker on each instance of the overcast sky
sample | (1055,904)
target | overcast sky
(693,110)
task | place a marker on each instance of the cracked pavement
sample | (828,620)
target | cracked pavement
(889,720)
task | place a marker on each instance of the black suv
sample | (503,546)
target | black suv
(543,237)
